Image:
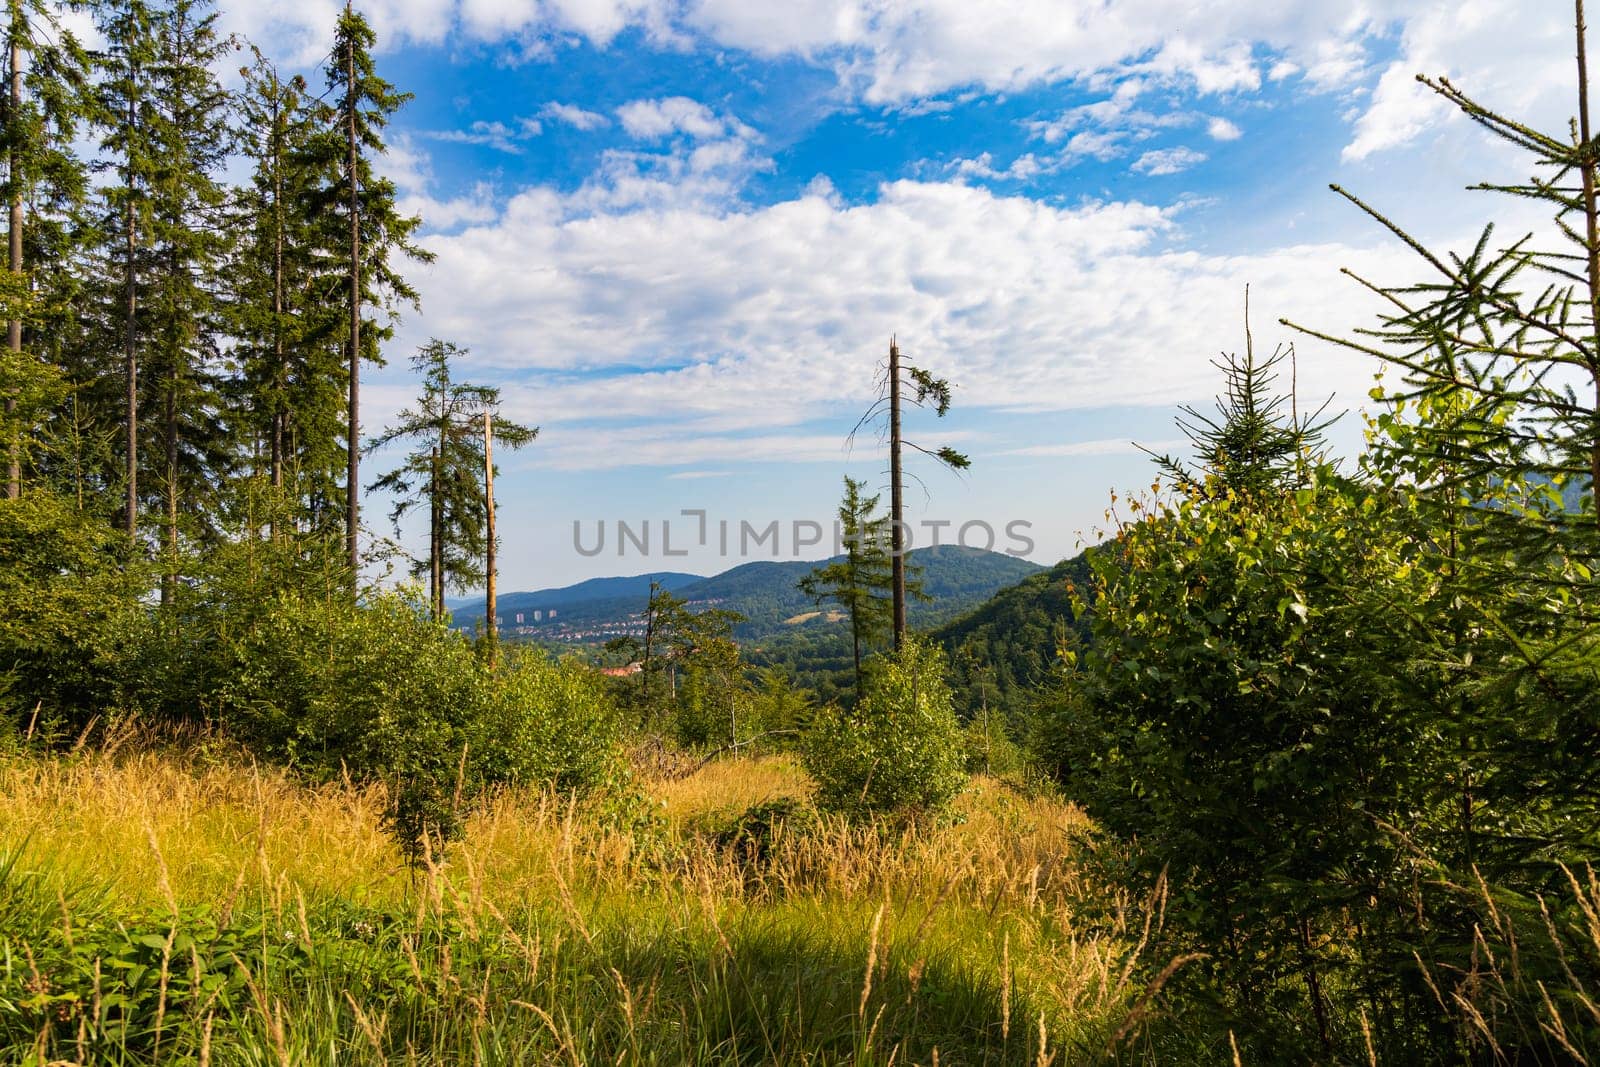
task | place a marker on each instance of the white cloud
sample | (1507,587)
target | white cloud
(707,334)
(652,120)
(1020,169)
(1220,129)
(574,116)
(907,52)
(496,135)
(1530,77)
(706,158)
(409,168)
(1163,161)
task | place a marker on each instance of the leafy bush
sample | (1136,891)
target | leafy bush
(63,604)
(899,749)
(380,692)
(551,721)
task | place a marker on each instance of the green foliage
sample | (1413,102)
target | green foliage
(63,604)
(380,692)
(1007,649)
(899,749)
(447,469)
(862,580)
(551,721)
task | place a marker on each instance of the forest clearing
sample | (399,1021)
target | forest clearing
(1288,754)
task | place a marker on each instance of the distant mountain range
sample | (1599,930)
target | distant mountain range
(765,592)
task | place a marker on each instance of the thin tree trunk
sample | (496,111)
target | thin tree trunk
(855,650)
(1591,218)
(353,437)
(488,503)
(896,502)
(649,646)
(435,537)
(169,585)
(14,327)
(277,304)
(130,338)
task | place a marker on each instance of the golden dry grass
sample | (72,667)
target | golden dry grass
(993,891)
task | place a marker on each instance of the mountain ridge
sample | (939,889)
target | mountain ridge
(765,591)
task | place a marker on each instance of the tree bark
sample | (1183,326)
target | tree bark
(1591,218)
(488,503)
(130,352)
(14,327)
(435,536)
(896,501)
(353,436)
(277,302)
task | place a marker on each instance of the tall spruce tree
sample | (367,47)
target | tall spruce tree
(364,222)
(189,239)
(445,469)
(44,182)
(861,580)
(128,116)
(285,311)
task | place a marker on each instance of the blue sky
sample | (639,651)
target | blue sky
(679,233)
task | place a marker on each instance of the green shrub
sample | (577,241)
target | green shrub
(552,721)
(64,604)
(380,692)
(899,749)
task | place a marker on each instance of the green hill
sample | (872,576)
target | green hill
(1006,647)
(765,591)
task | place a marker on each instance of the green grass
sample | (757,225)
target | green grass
(166,909)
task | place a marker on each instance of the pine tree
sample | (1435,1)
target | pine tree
(128,117)
(42,109)
(364,223)
(1257,442)
(189,240)
(860,582)
(285,312)
(445,469)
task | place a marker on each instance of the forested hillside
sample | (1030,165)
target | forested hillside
(765,592)
(1009,647)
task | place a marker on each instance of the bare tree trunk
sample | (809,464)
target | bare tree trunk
(649,648)
(1591,218)
(353,437)
(435,539)
(488,504)
(896,501)
(277,304)
(169,584)
(130,342)
(14,327)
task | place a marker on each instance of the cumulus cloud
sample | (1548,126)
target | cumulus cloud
(687,155)
(908,52)
(1021,169)
(1220,129)
(409,168)
(497,135)
(574,116)
(706,335)
(1467,42)
(1162,161)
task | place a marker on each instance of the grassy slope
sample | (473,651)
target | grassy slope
(551,935)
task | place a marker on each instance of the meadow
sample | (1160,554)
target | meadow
(181,905)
